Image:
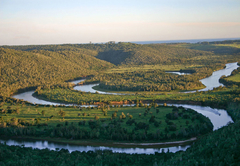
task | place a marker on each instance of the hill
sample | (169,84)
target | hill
(133,54)
(24,69)
(228,47)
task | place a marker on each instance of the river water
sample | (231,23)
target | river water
(71,148)
(213,81)
(218,117)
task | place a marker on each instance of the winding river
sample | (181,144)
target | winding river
(218,117)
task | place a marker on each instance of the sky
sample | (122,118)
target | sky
(26,22)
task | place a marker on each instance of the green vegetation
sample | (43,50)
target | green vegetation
(21,69)
(233,79)
(220,147)
(230,47)
(49,66)
(134,68)
(46,65)
(152,80)
(132,54)
(219,97)
(144,123)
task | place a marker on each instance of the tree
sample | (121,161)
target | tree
(105,113)
(123,115)
(62,113)
(114,115)
(37,121)
(152,119)
(18,111)
(96,118)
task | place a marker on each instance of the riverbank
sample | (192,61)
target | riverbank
(218,98)
(101,90)
(105,143)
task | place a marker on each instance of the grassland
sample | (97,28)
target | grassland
(176,67)
(235,78)
(144,123)
(74,115)
(222,49)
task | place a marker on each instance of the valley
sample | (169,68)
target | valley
(143,103)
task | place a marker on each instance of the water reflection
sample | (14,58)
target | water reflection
(71,148)
(178,73)
(77,81)
(218,117)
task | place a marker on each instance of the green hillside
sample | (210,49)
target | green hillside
(229,47)
(22,69)
(134,54)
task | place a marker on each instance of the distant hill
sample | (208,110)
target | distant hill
(228,47)
(22,69)
(130,53)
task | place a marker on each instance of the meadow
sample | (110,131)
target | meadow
(105,122)
(235,78)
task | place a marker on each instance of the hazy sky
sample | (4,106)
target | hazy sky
(77,21)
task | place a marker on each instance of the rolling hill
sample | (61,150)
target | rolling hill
(133,54)
(22,69)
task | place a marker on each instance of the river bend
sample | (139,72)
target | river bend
(218,117)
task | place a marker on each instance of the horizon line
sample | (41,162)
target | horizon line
(139,42)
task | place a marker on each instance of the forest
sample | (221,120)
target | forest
(122,53)
(24,70)
(152,80)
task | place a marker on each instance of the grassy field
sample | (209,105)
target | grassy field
(216,48)
(235,45)
(73,96)
(105,116)
(235,78)
(31,113)
(122,69)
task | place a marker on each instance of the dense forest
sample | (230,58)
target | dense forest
(22,69)
(152,80)
(135,54)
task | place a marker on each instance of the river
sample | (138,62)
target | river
(213,81)
(210,82)
(218,117)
